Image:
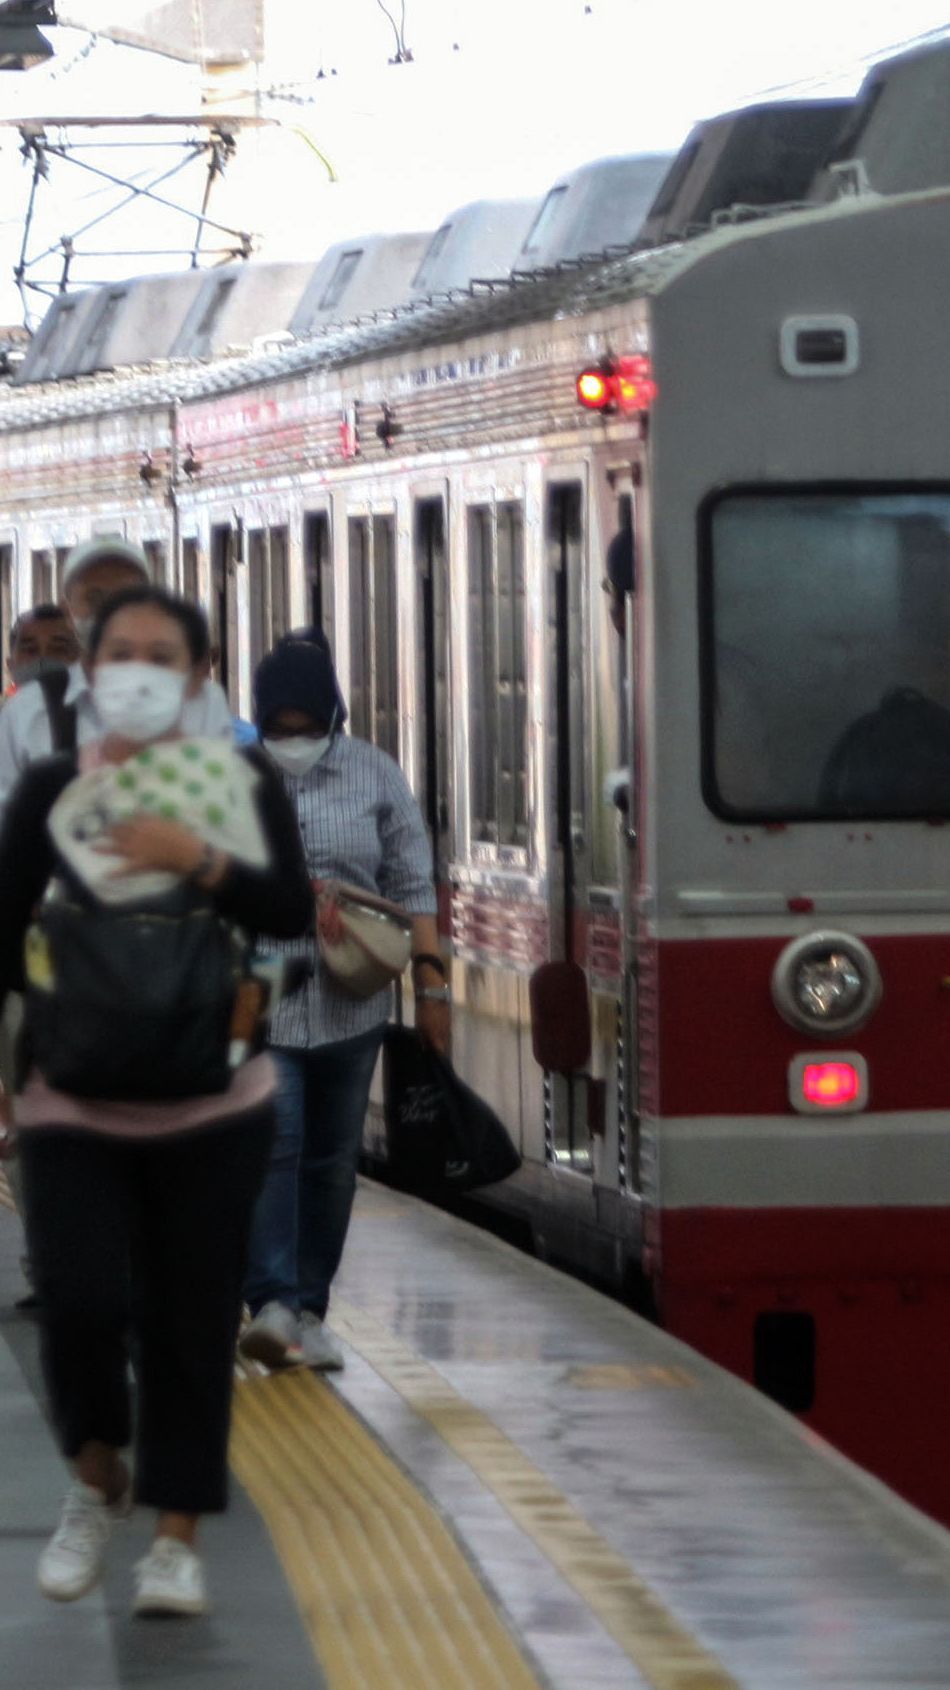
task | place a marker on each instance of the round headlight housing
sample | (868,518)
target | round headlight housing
(826,983)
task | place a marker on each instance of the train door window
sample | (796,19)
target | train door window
(497,676)
(565,548)
(318,562)
(374,704)
(189,570)
(225,549)
(360,660)
(155,552)
(278,576)
(385,644)
(41,577)
(257,593)
(6,600)
(432,663)
(59,564)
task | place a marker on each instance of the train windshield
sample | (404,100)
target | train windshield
(827,653)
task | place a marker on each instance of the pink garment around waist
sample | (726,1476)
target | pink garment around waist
(38,1105)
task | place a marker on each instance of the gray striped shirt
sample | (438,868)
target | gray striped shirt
(360,823)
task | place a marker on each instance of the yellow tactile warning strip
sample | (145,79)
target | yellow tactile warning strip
(6,1195)
(664,1651)
(386,1593)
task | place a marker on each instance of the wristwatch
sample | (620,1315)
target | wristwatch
(433,994)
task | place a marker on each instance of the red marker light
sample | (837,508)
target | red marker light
(634,384)
(595,389)
(830,1085)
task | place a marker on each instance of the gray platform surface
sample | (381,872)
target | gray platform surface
(254,1638)
(793,1568)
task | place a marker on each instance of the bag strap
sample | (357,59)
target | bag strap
(62,716)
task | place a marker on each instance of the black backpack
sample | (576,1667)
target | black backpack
(131,1003)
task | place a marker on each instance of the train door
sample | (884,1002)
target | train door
(621,586)
(318,566)
(570,1119)
(268,590)
(227,545)
(432,658)
(374,698)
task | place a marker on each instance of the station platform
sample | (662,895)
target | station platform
(514,1483)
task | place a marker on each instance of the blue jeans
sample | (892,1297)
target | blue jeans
(303,1211)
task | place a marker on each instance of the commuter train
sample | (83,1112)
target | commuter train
(690,833)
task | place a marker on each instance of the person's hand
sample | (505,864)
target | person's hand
(434,1024)
(7,1135)
(153,842)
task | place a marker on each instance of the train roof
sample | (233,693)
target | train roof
(568,291)
(482,239)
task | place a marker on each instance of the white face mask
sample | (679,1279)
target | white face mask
(297,756)
(138,701)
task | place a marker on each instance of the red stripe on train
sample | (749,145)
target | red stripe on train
(716,1044)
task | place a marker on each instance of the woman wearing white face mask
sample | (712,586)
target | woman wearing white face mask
(361,825)
(153,837)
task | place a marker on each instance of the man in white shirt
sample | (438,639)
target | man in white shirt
(94,570)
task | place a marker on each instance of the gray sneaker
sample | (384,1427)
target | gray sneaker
(320,1348)
(273,1337)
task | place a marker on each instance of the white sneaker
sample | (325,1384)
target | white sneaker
(72,1561)
(273,1337)
(170,1580)
(319,1348)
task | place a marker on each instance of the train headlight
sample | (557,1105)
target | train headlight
(826,983)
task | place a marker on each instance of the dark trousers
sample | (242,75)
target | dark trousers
(303,1212)
(152,1236)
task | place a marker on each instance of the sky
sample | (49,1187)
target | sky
(500,98)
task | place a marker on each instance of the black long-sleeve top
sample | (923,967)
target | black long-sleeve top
(276,900)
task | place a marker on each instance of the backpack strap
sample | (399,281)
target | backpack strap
(62,716)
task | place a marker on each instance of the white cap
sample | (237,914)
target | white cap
(103,548)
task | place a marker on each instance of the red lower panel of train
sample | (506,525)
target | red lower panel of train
(854,1338)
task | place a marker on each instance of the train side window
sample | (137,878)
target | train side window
(497,674)
(374,703)
(318,564)
(565,546)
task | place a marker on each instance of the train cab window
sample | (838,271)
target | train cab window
(826,673)
(374,702)
(497,687)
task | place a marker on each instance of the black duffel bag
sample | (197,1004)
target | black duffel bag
(441,1137)
(131,1003)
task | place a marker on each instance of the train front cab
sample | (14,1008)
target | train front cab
(790,911)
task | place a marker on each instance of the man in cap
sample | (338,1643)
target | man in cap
(42,642)
(39,719)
